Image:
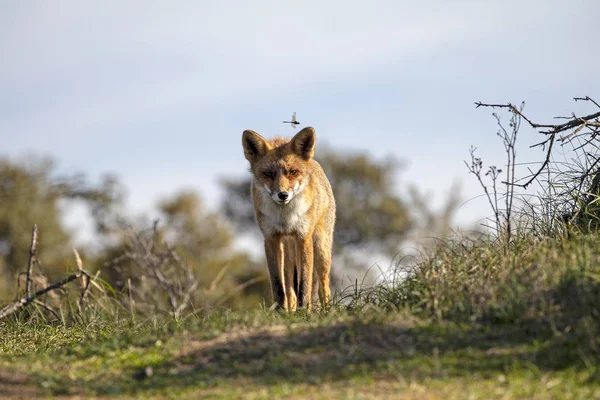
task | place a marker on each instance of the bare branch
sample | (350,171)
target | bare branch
(475,168)
(555,128)
(12,308)
(541,169)
(572,194)
(159,274)
(46,307)
(586,98)
(575,122)
(186,299)
(32,250)
(85,280)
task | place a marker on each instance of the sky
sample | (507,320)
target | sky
(159,92)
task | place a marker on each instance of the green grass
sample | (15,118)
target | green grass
(262,354)
(471,322)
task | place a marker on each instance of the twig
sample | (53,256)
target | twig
(131,301)
(46,307)
(11,308)
(32,250)
(186,299)
(475,168)
(586,98)
(555,128)
(218,278)
(85,280)
(571,134)
(516,111)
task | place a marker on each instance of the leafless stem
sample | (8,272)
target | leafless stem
(217,279)
(185,302)
(85,280)
(476,168)
(510,139)
(32,251)
(586,98)
(130,293)
(555,128)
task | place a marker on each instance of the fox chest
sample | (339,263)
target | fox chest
(291,218)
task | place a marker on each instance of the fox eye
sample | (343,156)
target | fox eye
(268,174)
(293,172)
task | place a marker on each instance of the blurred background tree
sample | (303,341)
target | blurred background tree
(31,192)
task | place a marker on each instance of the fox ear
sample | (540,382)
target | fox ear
(303,144)
(255,146)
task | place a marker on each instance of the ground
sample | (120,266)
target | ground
(263,354)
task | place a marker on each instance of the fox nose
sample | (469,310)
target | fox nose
(283,195)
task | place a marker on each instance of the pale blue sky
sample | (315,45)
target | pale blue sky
(175,83)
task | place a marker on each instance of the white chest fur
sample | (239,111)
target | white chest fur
(284,219)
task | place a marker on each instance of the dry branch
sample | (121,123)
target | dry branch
(31,297)
(570,189)
(11,308)
(551,130)
(32,250)
(556,128)
(46,307)
(586,98)
(156,270)
(85,280)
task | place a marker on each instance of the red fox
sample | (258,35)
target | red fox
(295,210)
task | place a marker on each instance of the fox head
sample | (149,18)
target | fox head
(281,167)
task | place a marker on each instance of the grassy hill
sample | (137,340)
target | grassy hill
(481,321)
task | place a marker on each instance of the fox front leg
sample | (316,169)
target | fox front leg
(275,258)
(305,259)
(290,276)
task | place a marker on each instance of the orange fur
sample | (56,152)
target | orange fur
(295,211)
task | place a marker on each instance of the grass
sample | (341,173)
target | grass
(469,322)
(257,355)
